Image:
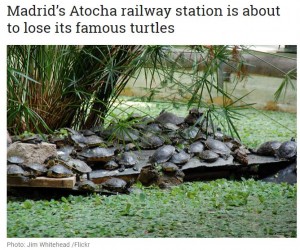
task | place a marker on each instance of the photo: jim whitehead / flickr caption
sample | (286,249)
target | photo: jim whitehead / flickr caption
(54,244)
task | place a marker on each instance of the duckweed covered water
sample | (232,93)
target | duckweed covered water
(219,208)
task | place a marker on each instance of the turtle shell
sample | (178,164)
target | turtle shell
(78,166)
(162,154)
(189,133)
(218,135)
(268,148)
(115,185)
(58,139)
(127,159)
(98,154)
(37,169)
(150,140)
(167,117)
(59,171)
(15,170)
(65,151)
(87,132)
(169,167)
(233,143)
(87,185)
(196,147)
(78,138)
(218,147)
(32,139)
(287,150)
(14,159)
(130,146)
(93,141)
(111,165)
(180,158)
(208,156)
(153,127)
(170,126)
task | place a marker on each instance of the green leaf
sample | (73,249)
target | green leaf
(142,196)
(64,199)
(28,204)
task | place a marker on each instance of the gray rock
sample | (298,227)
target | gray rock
(32,153)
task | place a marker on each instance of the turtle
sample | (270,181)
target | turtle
(130,146)
(139,125)
(58,139)
(162,154)
(151,141)
(32,138)
(71,131)
(196,147)
(147,120)
(194,116)
(94,141)
(15,159)
(232,143)
(111,165)
(78,166)
(65,151)
(208,156)
(14,170)
(87,132)
(65,158)
(170,127)
(98,154)
(36,169)
(168,117)
(78,140)
(127,160)
(268,148)
(87,185)
(115,185)
(241,155)
(169,167)
(153,127)
(180,158)
(59,171)
(218,135)
(287,150)
(218,147)
(189,133)
(174,138)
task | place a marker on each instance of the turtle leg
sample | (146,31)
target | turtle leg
(122,168)
(135,167)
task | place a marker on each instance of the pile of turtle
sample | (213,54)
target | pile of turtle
(174,140)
